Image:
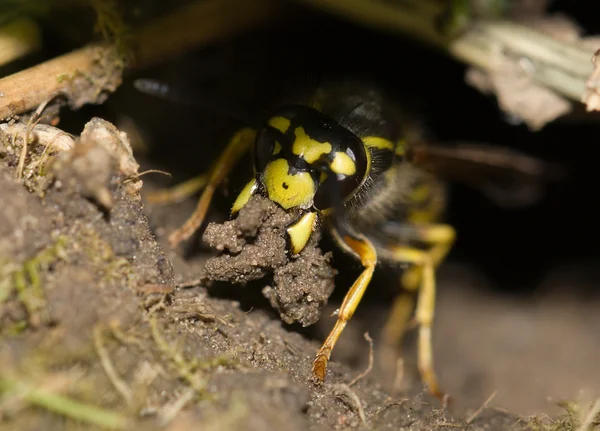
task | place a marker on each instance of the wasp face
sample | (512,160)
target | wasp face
(308,160)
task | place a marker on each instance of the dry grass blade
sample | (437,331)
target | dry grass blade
(33,121)
(482,407)
(586,425)
(62,405)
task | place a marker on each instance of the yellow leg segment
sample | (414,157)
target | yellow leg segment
(395,327)
(440,237)
(178,193)
(424,312)
(367,254)
(240,143)
(419,279)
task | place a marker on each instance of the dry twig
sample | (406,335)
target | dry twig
(83,76)
(591,98)
(551,68)
(88,74)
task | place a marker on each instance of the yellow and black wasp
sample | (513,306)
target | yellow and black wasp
(347,161)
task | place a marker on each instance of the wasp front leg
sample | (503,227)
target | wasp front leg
(362,248)
(418,279)
(240,143)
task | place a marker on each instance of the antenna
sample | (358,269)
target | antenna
(162,90)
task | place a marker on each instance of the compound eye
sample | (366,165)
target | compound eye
(266,146)
(329,192)
(336,187)
(334,190)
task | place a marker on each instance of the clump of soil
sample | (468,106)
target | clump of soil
(254,245)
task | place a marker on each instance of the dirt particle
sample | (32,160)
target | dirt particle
(254,245)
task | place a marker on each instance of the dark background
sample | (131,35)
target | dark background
(513,247)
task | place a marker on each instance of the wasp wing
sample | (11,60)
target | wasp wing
(507,177)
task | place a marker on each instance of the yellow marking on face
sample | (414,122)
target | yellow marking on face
(322,177)
(379,143)
(299,233)
(309,149)
(285,189)
(244,196)
(280,123)
(277,148)
(343,164)
(400,147)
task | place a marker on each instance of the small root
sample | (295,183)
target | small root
(192,283)
(356,400)
(182,366)
(108,367)
(171,410)
(140,174)
(123,338)
(482,407)
(196,309)
(151,288)
(370,366)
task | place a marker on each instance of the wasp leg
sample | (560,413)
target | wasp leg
(419,278)
(393,334)
(440,237)
(424,312)
(365,251)
(178,193)
(238,145)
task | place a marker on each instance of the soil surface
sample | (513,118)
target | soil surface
(101,326)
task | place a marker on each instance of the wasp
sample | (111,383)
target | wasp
(346,161)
